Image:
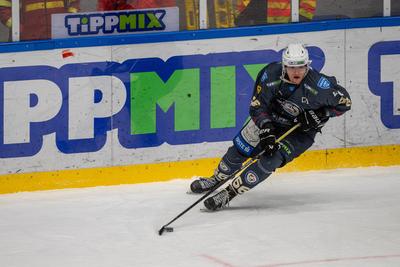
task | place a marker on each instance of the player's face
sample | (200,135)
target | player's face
(296,74)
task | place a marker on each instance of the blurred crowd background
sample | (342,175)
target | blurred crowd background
(35,15)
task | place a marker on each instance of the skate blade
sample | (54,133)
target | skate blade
(190,192)
(207,210)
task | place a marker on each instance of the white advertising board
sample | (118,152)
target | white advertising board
(148,103)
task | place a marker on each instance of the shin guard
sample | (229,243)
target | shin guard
(256,173)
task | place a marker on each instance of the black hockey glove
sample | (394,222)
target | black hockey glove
(268,138)
(312,119)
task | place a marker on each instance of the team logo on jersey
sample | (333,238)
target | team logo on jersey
(251,177)
(323,83)
(289,107)
(264,77)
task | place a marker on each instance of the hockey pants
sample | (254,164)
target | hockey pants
(291,147)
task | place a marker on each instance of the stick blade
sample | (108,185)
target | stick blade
(166,229)
(161,231)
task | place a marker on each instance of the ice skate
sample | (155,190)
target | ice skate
(203,184)
(220,200)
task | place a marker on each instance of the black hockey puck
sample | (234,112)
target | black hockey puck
(169,229)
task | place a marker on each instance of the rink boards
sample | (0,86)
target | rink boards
(142,109)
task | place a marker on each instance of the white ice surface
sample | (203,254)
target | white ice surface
(348,217)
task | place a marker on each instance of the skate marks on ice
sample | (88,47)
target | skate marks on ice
(357,261)
(337,218)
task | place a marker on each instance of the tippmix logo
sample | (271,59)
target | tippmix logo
(121,22)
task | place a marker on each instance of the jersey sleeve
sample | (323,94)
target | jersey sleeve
(339,102)
(261,98)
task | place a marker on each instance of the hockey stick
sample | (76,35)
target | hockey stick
(218,185)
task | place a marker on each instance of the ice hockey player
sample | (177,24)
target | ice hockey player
(285,93)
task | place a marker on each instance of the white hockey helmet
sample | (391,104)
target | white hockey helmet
(295,55)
